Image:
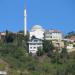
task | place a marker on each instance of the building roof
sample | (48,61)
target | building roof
(3,33)
(72,38)
(53,31)
(36,27)
(35,40)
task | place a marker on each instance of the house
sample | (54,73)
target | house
(55,36)
(2,35)
(34,44)
(72,38)
(70,43)
(70,46)
(37,31)
(3,73)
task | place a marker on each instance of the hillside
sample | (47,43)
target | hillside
(15,60)
(17,63)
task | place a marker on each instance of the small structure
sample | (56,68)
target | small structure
(34,44)
(3,73)
(2,35)
(70,39)
(70,46)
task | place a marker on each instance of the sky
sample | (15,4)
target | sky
(50,14)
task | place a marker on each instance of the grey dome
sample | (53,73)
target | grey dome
(36,27)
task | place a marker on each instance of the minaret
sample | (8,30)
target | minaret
(25,19)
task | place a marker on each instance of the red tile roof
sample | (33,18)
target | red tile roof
(72,38)
(55,31)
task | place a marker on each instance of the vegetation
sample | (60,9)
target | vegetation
(47,46)
(74,45)
(72,33)
(15,60)
(40,51)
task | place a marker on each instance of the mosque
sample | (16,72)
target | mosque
(40,34)
(37,31)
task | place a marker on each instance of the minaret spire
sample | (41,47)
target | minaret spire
(24,4)
(25,18)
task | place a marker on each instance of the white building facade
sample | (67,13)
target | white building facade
(34,44)
(3,73)
(53,35)
(37,31)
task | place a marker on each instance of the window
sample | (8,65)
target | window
(34,47)
(50,36)
(32,50)
(50,33)
(39,43)
(33,44)
(35,40)
(30,47)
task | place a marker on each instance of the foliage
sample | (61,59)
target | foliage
(14,53)
(74,45)
(48,46)
(72,33)
(9,37)
(40,51)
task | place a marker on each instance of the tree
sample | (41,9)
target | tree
(64,53)
(64,56)
(72,33)
(9,37)
(55,58)
(40,51)
(74,45)
(21,31)
(48,46)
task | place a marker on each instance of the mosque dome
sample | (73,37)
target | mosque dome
(36,27)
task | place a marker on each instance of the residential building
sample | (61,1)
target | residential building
(72,38)
(3,73)
(2,35)
(55,36)
(34,44)
(70,43)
